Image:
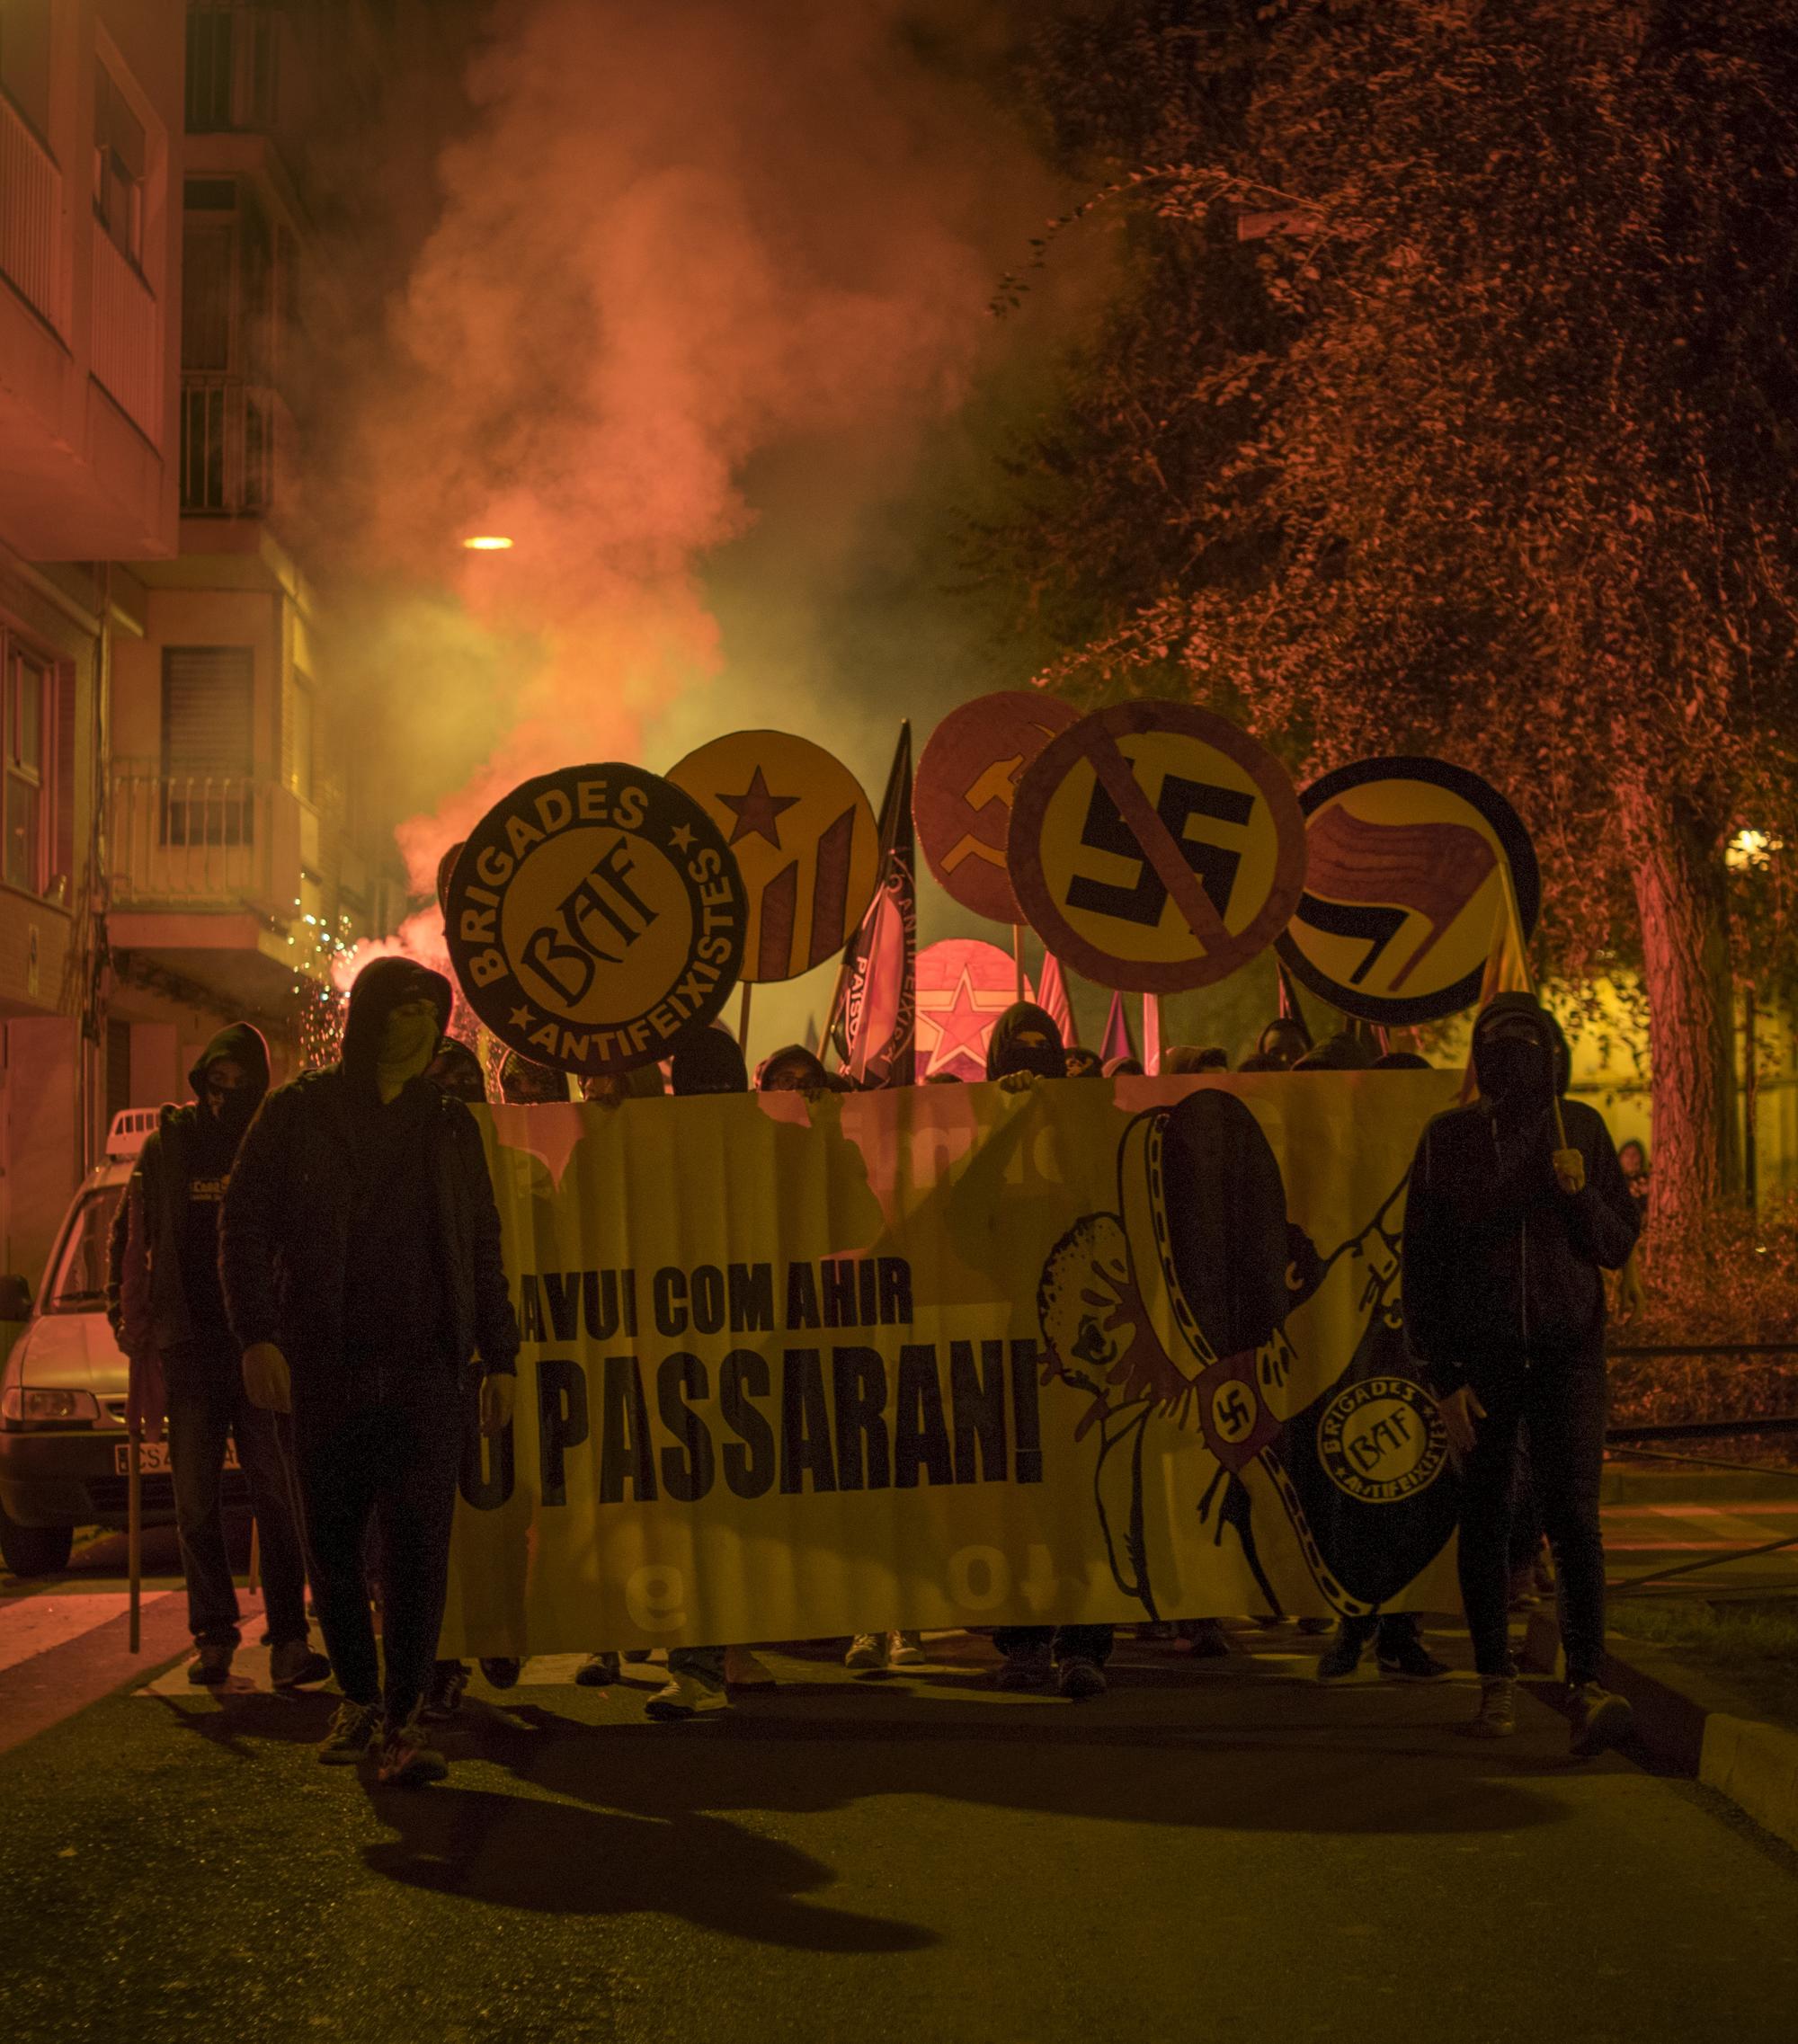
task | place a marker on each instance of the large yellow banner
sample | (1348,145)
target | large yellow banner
(952,1355)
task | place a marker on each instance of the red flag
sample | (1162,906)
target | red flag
(873,1020)
(1051,996)
(1118,1042)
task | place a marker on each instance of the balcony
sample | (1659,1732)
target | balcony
(206,876)
(128,338)
(31,209)
(227,447)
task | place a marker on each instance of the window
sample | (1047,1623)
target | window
(119,160)
(303,738)
(209,744)
(233,67)
(24,803)
(25,59)
(206,298)
(79,1284)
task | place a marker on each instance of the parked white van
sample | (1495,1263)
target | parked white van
(62,1390)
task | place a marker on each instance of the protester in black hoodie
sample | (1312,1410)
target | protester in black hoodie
(167,1311)
(360,1257)
(1026,1045)
(1516,1206)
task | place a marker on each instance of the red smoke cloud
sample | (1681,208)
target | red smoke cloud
(678,238)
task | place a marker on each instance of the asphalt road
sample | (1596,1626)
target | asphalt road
(1205,1852)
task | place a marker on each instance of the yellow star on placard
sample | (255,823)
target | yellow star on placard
(522,1018)
(681,837)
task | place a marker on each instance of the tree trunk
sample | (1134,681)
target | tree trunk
(1681,893)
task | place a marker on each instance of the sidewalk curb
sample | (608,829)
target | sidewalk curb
(1686,1722)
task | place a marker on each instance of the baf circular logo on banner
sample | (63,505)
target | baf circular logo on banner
(804,838)
(1406,865)
(1156,846)
(594,914)
(1380,1440)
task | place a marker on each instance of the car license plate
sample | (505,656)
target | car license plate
(153,1457)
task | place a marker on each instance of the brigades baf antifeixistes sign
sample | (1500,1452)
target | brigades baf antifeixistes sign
(594,915)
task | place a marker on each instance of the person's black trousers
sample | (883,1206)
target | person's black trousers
(206,1407)
(395,1463)
(1562,1401)
(1068,1642)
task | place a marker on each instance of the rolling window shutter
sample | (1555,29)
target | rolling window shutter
(209,700)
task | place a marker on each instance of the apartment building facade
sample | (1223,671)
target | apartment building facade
(178,839)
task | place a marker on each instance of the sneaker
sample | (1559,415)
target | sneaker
(443,1696)
(293,1664)
(638,1653)
(211,1666)
(905,1649)
(1028,1669)
(1077,1679)
(1412,1662)
(1496,1717)
(599,1671)
(1313,1625)
(683,1697)
(745,1669)
(355,1730)
(406,1761)
(501,1670)
(1601,1719)
(866,1650)
(1342,1659)
(1208,1639)
(1160,1631)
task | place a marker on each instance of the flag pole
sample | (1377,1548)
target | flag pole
(1017,955)
(742,1023)
(134,1527)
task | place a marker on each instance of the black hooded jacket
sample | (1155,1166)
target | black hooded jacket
(284,1237)
(151,1302)
(1500,1264)
(1005,1054)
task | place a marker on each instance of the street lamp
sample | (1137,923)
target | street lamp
(486,543)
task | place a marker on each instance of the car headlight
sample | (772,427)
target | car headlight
(23,1403)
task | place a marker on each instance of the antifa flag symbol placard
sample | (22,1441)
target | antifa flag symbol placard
(1407,861)
(873,1020)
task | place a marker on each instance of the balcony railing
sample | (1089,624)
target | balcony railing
(127,350)
(30,212)
(203,841)
(227,447)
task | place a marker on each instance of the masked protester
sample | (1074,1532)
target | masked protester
(706,1061)
(792,1069)
(1084,1064)
(1508,1227)
(1026,1047)
(167,1311)
(360,1248)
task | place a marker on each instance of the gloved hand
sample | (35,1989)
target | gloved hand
(498,1390)
(1017,1081)
(266,1380)
(1458,1411)
(1570,1171)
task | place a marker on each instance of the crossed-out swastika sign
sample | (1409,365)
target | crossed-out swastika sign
(968,780)
(1156,846)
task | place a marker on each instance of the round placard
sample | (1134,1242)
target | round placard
(1406,865)
(1156,846)
(964,987)
(968,780)
(594,915)
(804,837)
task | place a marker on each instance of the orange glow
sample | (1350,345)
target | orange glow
(486,543)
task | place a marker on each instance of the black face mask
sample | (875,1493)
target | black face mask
(233,1111)
(1516,1072)
(1044,1059)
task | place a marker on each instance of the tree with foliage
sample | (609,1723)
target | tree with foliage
(1447,404)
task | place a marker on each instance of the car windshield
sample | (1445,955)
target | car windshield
(79,1286)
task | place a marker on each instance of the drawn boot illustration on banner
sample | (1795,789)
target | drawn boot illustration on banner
(1178,1308)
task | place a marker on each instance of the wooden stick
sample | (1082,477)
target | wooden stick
(742,1023)
(254,1582)
(134,1530)
(1017,955)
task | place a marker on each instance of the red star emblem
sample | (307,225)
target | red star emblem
(757,809)
(963,1025)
